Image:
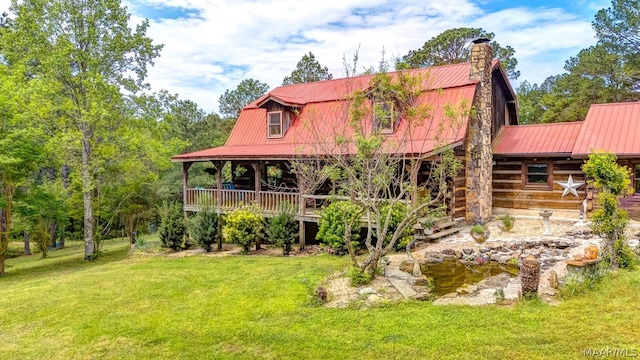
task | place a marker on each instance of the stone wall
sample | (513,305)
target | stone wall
(478,156)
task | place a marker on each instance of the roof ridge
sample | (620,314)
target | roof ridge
(546,124)
(637,102)
(371,75)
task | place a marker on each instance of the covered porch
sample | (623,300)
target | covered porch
(269,184)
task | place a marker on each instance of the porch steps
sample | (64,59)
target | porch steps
(443,227)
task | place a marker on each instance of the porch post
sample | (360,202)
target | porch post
(257,178)
(185,184)
(219,165)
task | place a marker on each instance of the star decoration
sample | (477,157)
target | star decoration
(570,187)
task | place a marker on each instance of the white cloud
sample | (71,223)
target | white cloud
(219,43)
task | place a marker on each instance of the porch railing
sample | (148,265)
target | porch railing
(269,201)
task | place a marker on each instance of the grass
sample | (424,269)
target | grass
(246,307)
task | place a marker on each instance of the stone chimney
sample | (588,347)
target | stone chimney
(478,156)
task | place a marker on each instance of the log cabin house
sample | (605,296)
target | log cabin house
(507,167)
(276,128)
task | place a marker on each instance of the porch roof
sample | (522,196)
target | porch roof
(539,139)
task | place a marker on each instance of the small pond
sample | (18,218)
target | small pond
(449,275)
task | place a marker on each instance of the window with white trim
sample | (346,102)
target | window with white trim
(384,119)
(274,125)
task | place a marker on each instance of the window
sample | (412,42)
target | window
(274,124)
(537,175)
(384,117)
(636,178)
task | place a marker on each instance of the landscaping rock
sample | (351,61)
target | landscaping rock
(466,289)
(467,251)
(495,282)
(449,252)
(366,290)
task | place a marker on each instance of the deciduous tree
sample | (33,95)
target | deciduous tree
(90,56)
(375,173)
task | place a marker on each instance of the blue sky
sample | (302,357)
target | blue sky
(212,45)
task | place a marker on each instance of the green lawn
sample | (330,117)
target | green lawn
(149,307)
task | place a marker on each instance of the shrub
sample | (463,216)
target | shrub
(204,229)
(243,225)
(172,225)
(282,229)
(358,277)
(624,254)
(398,213)
(333,221)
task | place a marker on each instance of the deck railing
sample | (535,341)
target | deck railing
(269,201)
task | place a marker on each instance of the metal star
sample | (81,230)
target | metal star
(570,186)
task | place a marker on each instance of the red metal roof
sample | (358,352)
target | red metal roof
(317,125)
(437,77)
(323,113)
(610,127)
(539,139)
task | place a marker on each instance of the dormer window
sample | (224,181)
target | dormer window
(384,117)
(274,125)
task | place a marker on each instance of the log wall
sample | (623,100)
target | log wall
(509,192)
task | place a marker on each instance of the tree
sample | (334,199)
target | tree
(620,25)
(20,150)
(232,102)
(44,204)
(531,108)
(453,46)
(612,181)
(376,174)
(307,70)
(596,75)
(90,56)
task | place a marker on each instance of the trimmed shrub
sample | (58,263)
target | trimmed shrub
(332,224)
(172,225)
(204,229)
(282,230)
(243,225)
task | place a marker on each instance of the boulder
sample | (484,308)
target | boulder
(494,282)
(466,289)
(449,252)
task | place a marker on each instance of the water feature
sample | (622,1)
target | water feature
(449,275)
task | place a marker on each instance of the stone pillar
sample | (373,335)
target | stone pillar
(478,156)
